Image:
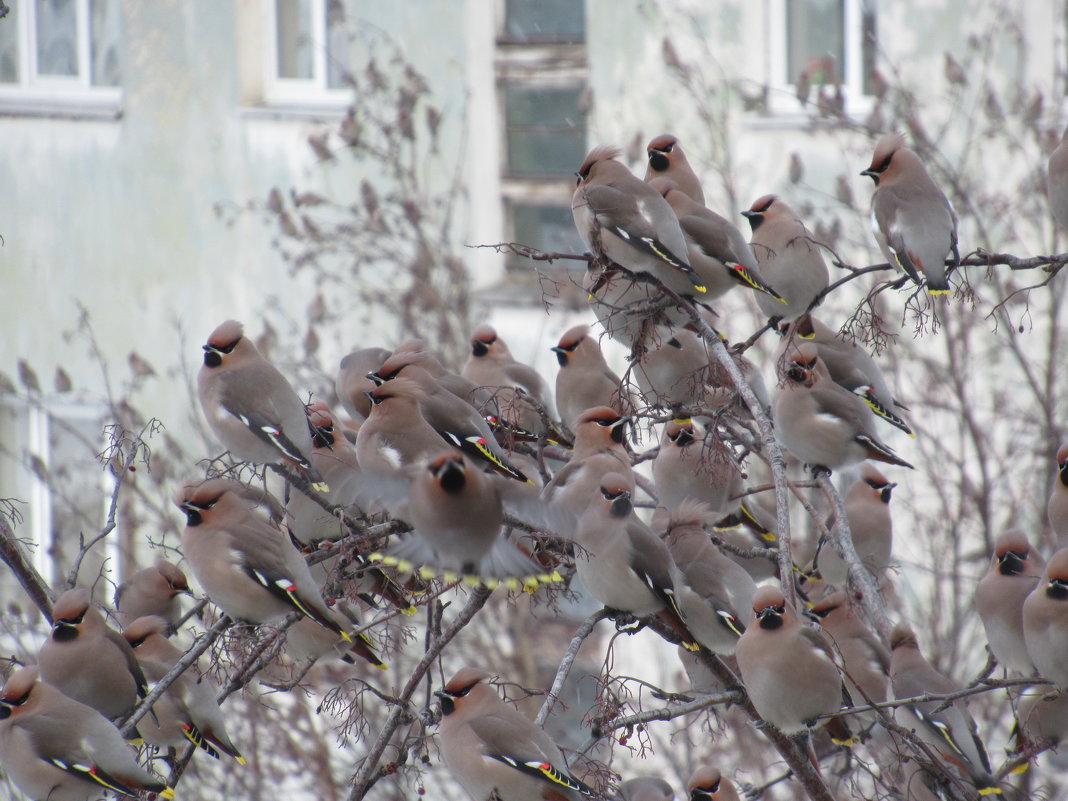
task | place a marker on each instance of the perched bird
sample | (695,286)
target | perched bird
(696,465)
(787,667)
(1042,717)
(821,423)
(416,351)
(1045,621)
(152,591)
(251,407)
(865,659)
(672,369)
(457,512)
(53,747)
(913,220)
(721,592)
(246,565)
(624,565)
(352,382)
(789,258)
(307,641)
(492,749)
(867,507)
(1014,572)
(717,250)
(708,784)
(599,450)
(88,661)
(622,218)
(187,711)
(644,788)
(849,365)
(950,732)
(1057,509)
(492,365)
(667,160)
(1057,182)
(585,380)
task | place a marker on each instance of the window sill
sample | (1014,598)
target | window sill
(74,106)
(774,119)
(299,111)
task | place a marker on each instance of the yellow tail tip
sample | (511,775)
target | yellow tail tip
(946,292)
(911,435)
(848,741)
(240,760)
(767,536)
(989,790)
(345,636)
(700,289)
(408,611)
(135,742)
(681,421)
(426,572)
(167,793)
(1021,768)
(380,665)
(692,646)
(321,486)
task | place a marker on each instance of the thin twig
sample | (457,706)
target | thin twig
(564,668)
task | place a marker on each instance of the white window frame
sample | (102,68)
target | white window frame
(782,95)
(36,94)
(310,93)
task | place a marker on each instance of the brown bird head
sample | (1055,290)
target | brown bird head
(599,427)
(879,483)
(801,364)
(484,342)
(758,213)
(680,433)
(465,680)
(397,393)
(140,630)
(661,152)
(1057,571)
(1011,551)
(173,578)
(395,365)
(569,343)
(322,425)
(830,608)
(17,697)
(596,161)
(223,341)
(704,783)
(886,164)
(902,636)
(616,494)
(204,501)
(73,610)
(769,607)
(1062,464)
(449,472)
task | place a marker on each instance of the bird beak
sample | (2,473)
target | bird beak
(749,213)
(378,380)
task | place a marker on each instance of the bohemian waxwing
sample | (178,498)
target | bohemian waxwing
(1042,716)
(708,784)
(53,747)
(456,512)
(787,667)
(849,365)
(627,309)
(248,567)
(152,591)
(644,788)
(865,659)
(307,641)
(416,351)
(622,563)
(251,406)
(867,507)
(585,380)
(667,160)
(821,423)
(716,250)
(1057,509)
(1057,182)
(1014,572)
(88,661)
(1045,621)
(457,422)
(493,750)
(789,258)
(672,369)
(913,220)
(187,711)
(352,382)
(491,365)
(722,592)
(599,450)
(696,465)
(949,731)
(621,217)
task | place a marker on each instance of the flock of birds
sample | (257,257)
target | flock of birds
(492,479)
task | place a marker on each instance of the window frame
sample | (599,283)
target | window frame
(301,93)
(782,97)
(54,94)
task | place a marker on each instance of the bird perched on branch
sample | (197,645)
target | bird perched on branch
(1014,572)
(1045,621)
(695,465)
(585,380)
(53,747)
(1057,509)
(352,382)
(913,220)
(1057,182)
(152,590)
(251,406)
(493,750)
(708,784)
(668,160)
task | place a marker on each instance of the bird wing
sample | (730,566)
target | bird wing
(525,747)
(265,420)
(620,213)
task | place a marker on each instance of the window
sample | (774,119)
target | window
(821,48)
(308,53)
(542,77)
(61,54)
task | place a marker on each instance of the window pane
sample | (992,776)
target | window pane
(9,46)
(105,31)
(57,37)
(337,45)
(294,39)
(868,43)
(815,40)
(548,228)
(561,21)
(546,130)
